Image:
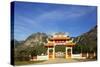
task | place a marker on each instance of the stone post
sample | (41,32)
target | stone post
(66,56)
(71,51)
(48,52)
(54,52)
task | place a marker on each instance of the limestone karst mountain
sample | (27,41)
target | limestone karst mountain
(36,38)
(87,41)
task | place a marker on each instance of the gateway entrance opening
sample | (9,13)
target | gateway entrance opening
(60,51)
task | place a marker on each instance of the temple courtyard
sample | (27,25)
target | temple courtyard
(59,50)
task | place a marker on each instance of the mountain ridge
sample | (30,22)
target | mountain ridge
(89,38)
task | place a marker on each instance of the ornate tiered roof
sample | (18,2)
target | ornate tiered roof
(60,38)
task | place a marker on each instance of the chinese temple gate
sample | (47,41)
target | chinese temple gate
(59,39)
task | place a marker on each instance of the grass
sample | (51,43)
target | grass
(27,62)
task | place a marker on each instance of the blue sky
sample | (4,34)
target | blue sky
(50,18)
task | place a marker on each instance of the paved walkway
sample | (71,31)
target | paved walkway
(59,60)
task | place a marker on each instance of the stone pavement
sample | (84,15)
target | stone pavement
(59,60)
